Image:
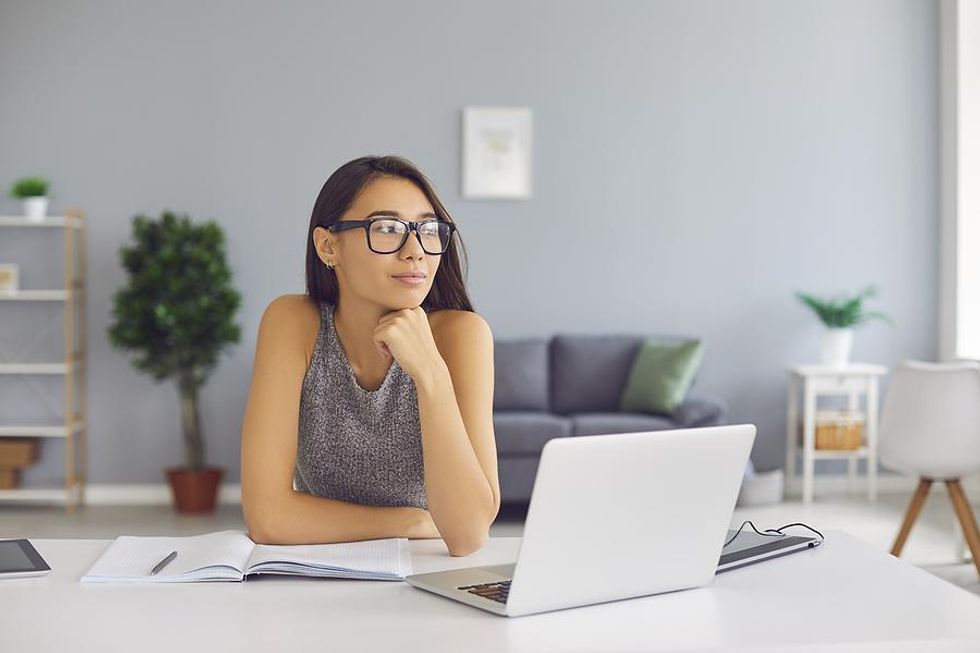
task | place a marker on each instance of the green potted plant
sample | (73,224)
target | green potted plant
(177,314)
(840,316)
(33,191)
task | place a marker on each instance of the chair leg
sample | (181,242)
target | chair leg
(967,520)
(918,500)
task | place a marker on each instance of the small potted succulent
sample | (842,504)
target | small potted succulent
(33,192)
(177,314)
(840,316)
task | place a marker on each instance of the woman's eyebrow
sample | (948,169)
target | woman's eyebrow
(397,214)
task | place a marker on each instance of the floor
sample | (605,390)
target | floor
(932,544)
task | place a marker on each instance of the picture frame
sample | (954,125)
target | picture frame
(8,277)
(496,152)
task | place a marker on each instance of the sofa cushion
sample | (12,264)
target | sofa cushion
(701,411)
(520,369)
(604,423)
(661,375)
(525,432)
(516,475)
(588,373)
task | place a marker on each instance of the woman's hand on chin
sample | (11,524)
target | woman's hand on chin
(405,335)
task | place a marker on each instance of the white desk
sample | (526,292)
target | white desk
(843,595)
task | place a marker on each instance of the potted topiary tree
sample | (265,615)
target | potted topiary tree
(840,316)
(33,191)
(177,314)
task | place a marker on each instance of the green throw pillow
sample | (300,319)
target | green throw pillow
(662,374)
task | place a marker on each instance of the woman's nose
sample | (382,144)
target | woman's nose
(413,244)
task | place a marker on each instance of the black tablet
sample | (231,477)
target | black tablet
(19,559)
(748,548)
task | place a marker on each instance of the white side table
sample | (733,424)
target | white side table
(851,381)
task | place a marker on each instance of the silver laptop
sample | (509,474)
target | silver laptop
(614,517)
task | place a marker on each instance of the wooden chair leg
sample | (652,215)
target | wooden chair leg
(918,500)
(965,514)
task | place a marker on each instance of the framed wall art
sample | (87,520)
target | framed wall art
(496,152)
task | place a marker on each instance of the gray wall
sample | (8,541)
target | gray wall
(694,164)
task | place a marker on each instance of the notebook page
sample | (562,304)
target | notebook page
(212,556)
(382,559)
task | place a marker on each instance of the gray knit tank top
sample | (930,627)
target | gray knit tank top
(354,444)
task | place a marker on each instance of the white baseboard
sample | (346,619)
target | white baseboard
(112,494)
(888,483)
(148,494)
(837,484)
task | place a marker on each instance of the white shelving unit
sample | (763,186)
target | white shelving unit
(815,381)
(72,427)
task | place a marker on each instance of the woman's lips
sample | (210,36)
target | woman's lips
(410,281)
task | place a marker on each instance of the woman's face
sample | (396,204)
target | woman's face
(371,275)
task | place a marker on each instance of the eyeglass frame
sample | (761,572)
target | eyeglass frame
(345,225)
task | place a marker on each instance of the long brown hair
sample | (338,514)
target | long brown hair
(336,196)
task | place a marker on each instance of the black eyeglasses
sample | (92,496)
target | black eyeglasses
(388,235)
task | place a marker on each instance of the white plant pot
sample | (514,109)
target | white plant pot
(36,208)
(835,347)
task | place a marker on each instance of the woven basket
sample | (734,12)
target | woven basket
(838,429)
(18,452)
(9,478)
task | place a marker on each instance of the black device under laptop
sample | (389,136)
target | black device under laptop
(19,559)
(748,548)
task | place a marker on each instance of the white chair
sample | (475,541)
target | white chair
(930,428)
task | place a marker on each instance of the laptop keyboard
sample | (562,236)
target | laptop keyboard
(493,591)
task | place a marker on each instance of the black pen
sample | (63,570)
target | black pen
(163,563)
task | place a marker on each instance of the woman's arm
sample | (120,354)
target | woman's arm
(274,512)
(458,447)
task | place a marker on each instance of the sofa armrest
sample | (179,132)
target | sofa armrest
(701,410)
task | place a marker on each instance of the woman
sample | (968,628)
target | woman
(370,409)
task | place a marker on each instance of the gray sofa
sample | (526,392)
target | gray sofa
(569,385)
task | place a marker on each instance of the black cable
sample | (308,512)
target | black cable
(772,532)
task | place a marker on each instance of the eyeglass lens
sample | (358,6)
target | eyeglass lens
(386,236)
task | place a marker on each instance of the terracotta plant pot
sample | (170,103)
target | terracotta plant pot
(194,490)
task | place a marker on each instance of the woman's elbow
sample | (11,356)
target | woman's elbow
(464,547)
(260,536)
(257,524)
(258,533)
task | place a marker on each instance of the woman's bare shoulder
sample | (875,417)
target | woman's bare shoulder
(294,318)
(295,305)
(452,314)
(451,321)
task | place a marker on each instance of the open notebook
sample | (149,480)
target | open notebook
(232,556)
